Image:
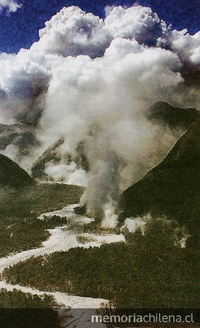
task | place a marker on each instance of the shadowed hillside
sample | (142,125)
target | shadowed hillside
(172,188)
(174,117)
(13,176)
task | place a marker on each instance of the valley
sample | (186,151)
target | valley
(61,239)
(140,252)
(99,162)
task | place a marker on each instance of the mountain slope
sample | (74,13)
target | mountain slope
(173,117)
(49,155)
(172,188)
(11,175)
(53,155)
(19,135)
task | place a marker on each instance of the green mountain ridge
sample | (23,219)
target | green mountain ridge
(173,117)
(172,188)
(13,176)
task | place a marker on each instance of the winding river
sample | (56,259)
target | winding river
(62,239)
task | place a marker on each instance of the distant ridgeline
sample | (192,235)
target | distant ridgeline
(13,176)
(172,188)
(22,136)
(174,117)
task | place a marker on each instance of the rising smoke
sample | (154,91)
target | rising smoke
(89,80)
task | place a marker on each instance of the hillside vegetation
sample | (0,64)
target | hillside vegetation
(19,227)
(17,235)
(22,310)
(173,117)
(13,176)
(172,188)
(148,271)
(35,200)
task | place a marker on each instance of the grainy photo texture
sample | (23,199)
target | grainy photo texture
(99,164)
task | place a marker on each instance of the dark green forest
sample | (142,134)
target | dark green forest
(19,227)
(18,235)
(171,188)
(148,271)
(34,200)
(18,309)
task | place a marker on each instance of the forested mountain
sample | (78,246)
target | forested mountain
(13,176)
(172,188)
(174,117)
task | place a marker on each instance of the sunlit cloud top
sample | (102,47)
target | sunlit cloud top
(10,5)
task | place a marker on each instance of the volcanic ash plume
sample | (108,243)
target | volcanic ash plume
(88,81)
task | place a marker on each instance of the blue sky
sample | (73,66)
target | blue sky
(19,29)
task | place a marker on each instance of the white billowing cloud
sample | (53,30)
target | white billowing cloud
(132,224)
(185,45)
(67,173)
(110,218)
(72,32)
(23,71)
(24,78)
(78,178)
(108,9)
(60,172)
(135,23)
(88,81)
(10,4)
